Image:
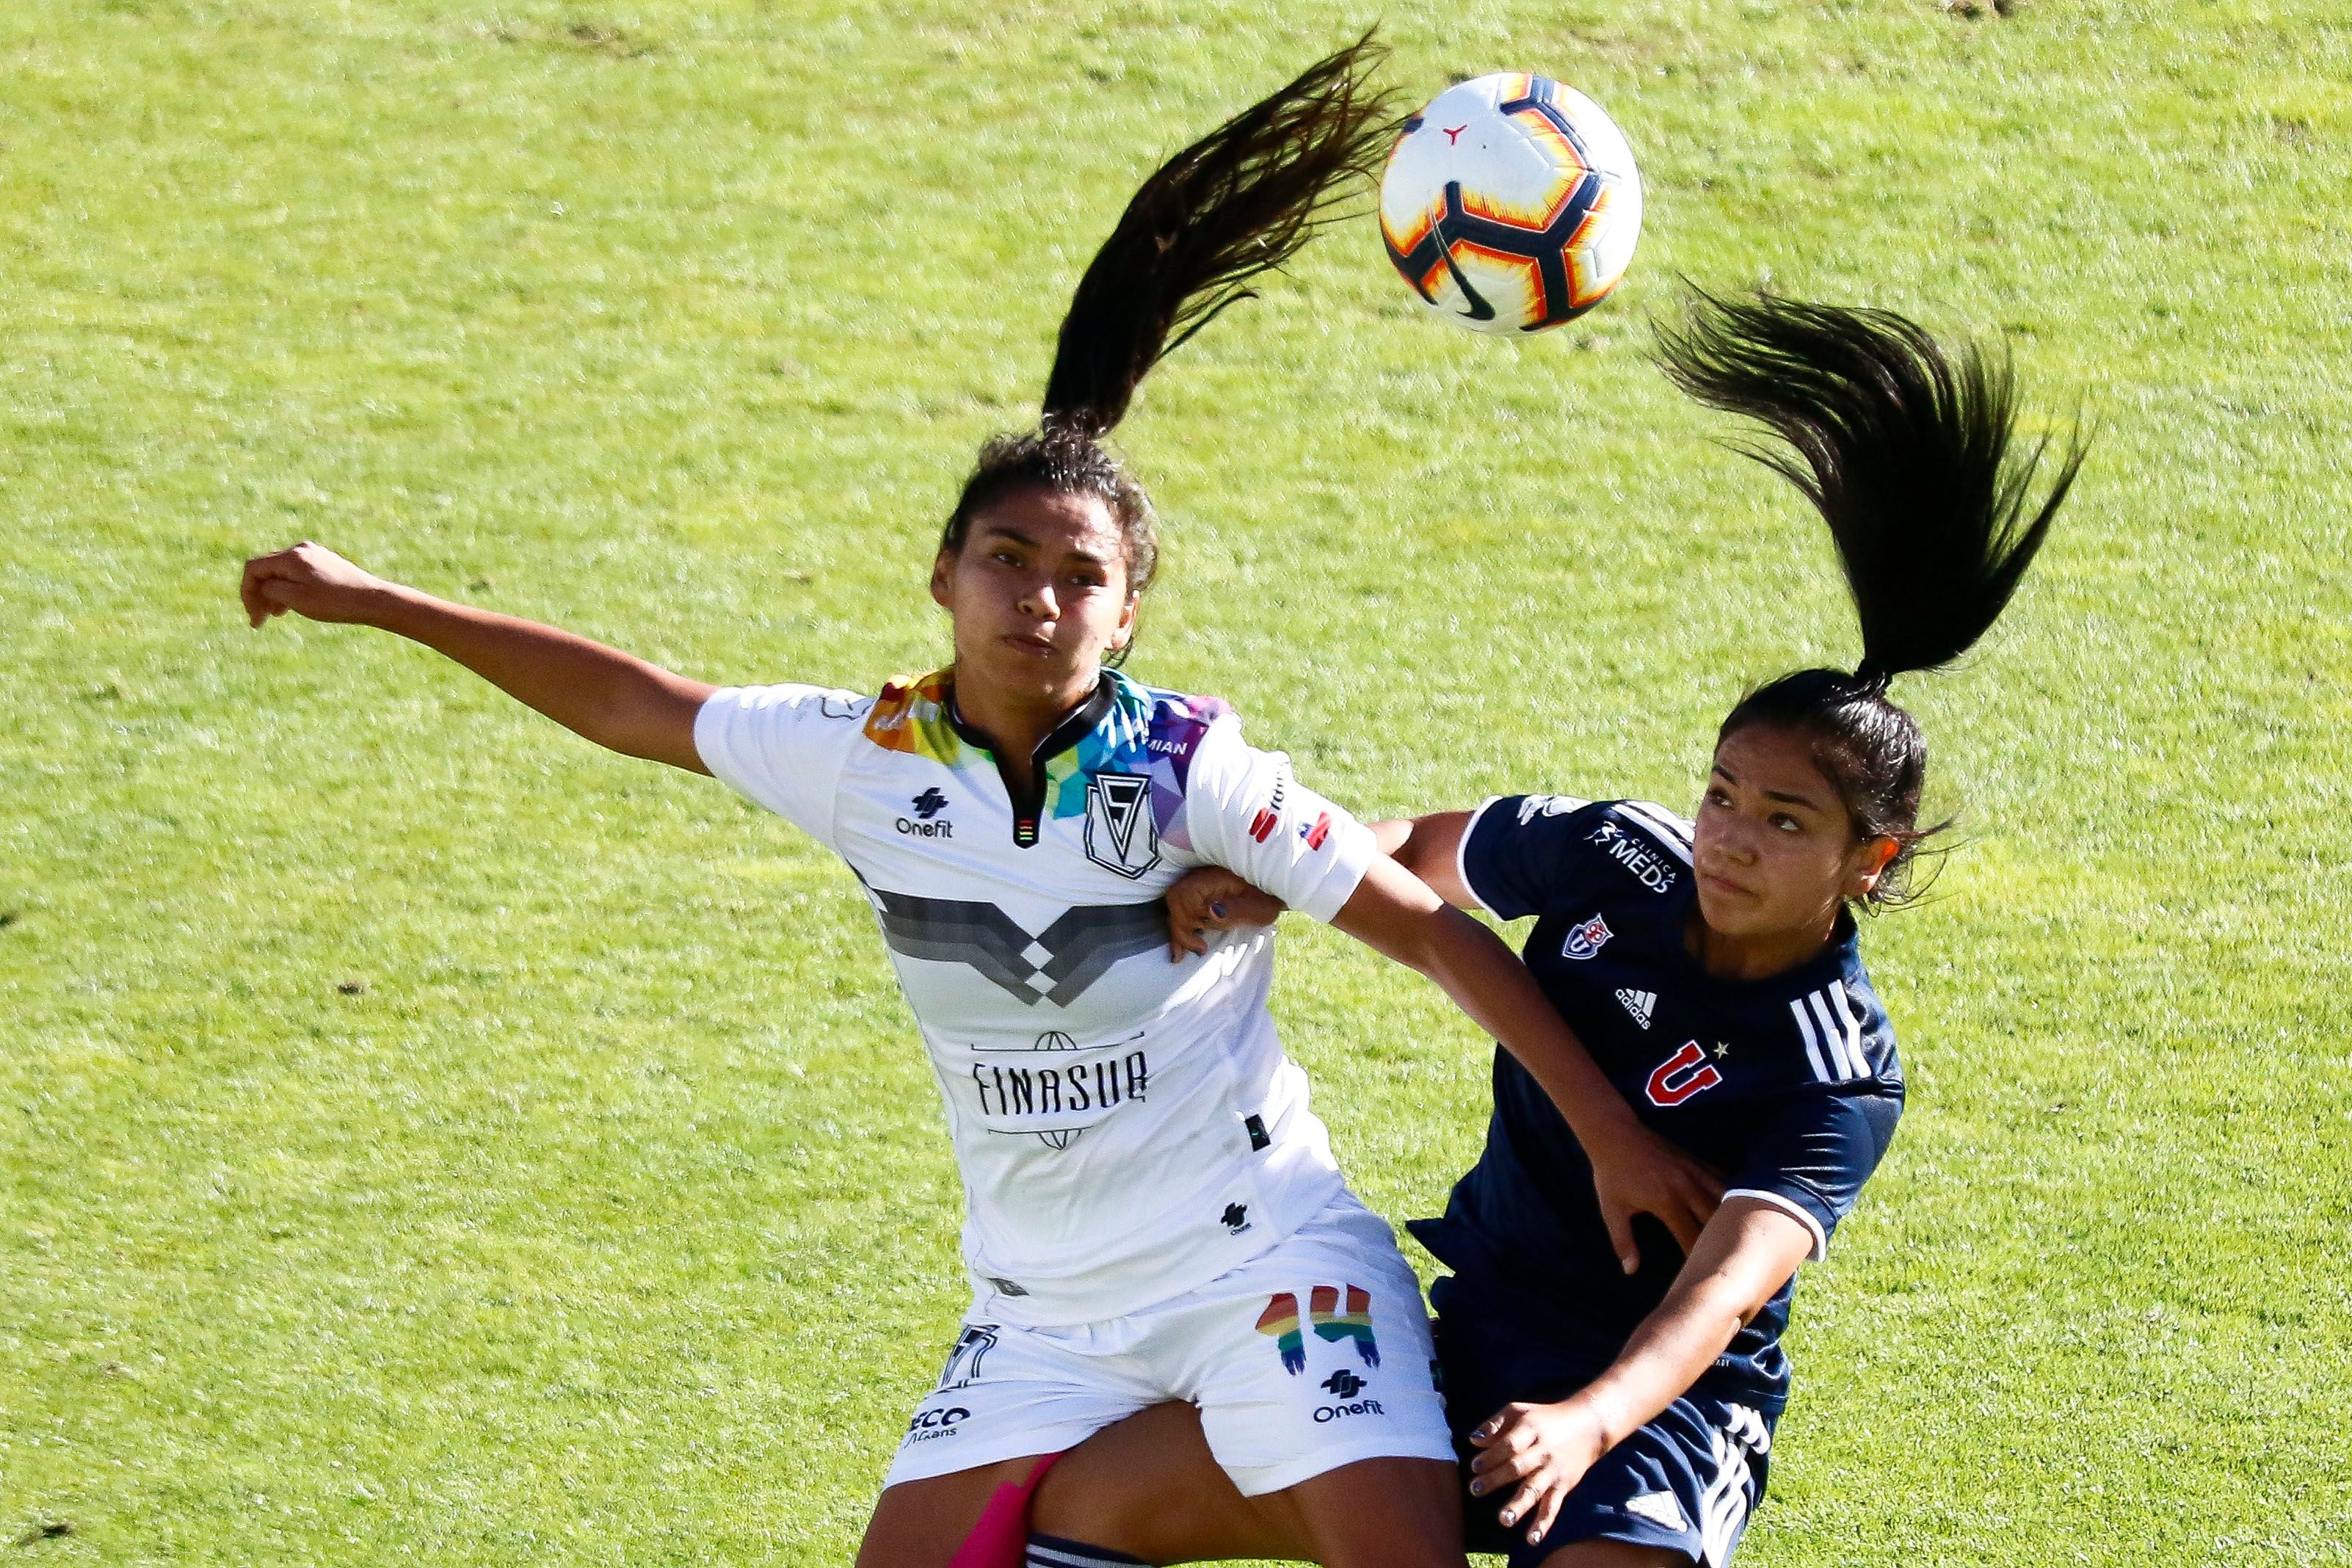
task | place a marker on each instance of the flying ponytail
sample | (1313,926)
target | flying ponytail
(1911,457)
(1238,203)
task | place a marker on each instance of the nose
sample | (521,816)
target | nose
(1037,600)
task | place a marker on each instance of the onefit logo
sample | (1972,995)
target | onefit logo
(1343,1385)
(927,805)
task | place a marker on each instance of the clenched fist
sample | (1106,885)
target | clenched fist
(310,580)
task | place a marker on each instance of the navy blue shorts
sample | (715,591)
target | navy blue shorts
(1685,1482)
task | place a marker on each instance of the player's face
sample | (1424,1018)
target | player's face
(1038,592)
(1774,848)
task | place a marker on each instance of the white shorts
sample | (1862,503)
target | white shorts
(1310,1356)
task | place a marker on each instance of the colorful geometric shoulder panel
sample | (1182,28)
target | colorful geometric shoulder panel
(1148,733)
(911,716)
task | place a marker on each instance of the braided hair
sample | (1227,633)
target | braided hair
(1238,203)
(1911,456)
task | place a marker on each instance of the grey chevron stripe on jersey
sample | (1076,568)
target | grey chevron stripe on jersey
(1077,949)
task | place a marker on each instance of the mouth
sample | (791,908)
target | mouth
(1724,885)
(1034,647)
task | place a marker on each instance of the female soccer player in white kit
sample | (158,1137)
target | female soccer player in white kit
(1153,1212)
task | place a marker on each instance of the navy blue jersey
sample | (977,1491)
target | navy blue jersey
(1789,1085)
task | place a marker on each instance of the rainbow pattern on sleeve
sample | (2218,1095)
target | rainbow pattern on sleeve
(1280,1318)
(911,716)
(1355,1323)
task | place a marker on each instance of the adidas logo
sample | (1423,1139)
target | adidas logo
(1640,1003)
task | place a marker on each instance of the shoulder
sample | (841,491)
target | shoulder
(1649,844)
(1165,733)
(1172,723)
(1844,1031)
(746,720)
(1642,823)
(910,714)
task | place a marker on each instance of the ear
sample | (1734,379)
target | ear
(1871,858)
(943,579)
(1124,633)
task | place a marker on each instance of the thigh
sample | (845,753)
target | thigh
(1008,1396)
(920,1524)
(1149,1487)
(1381,1513)
(1614,1555)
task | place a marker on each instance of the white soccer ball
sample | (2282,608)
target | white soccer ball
(1511,204)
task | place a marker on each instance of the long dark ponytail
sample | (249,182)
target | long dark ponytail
(1911,456)
(1238,203)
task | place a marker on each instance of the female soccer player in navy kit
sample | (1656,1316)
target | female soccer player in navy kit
(1152,1209)
(1614,1393)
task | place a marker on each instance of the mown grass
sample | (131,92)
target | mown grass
(426,1137)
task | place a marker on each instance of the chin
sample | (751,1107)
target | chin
(1731,917)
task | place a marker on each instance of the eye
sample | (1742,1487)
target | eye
(1718,797)
(1787,823)
(1004,557)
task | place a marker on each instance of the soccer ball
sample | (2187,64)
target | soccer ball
(1511,204)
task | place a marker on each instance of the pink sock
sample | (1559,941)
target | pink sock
(1002,1537)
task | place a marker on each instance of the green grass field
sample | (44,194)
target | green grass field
(422,1136)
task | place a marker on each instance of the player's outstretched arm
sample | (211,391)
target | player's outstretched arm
(1634,1171)
(1210,898)
(1745,1255)
(612,698)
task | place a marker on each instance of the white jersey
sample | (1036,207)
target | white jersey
(1128,1128)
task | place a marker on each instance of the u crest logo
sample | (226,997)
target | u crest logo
(1682,1075)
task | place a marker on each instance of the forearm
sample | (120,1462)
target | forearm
(1487,982)
(1744,1257)
(612,698)
(1668,1353)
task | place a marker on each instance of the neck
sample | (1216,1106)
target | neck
(1758,957)
(1016,719)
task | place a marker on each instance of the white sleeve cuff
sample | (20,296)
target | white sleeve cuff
(1796,1211)
(1462,850)
(1351,857)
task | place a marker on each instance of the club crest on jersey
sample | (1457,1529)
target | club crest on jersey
(1686,1073)
(1585,938)
(1120,834)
